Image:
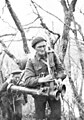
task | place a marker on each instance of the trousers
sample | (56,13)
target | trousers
(40,107)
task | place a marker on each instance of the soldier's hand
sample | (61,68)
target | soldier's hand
(21,83)
(58,81)
(48,78)
(9,79)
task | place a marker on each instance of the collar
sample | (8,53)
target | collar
(39,57)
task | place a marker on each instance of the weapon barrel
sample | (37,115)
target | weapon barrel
(55,93)
(24,90)
(63,91)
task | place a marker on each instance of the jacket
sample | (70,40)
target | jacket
(35,68)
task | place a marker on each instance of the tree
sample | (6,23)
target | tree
(69,18)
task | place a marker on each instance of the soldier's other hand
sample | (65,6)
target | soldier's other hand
(9,79)
(58,81)
(48,78)
(21,83)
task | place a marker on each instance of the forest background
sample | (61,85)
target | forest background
(21,21)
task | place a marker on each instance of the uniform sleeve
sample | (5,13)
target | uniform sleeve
(31,80)
(22,63)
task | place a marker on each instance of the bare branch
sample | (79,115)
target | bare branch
(81,12)
(18,40)
(17,61)
(63,2)
(7,23)
(80,30)
(3,8)
(73,4)
(33,27)
(5,35)
(68,3)
(77,97)
(68,19)
(41,20)
(52,15)
(7,52)
(19,26)
(49,13)
(31,22)
(80,53)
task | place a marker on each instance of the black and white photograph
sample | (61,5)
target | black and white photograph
(41,59)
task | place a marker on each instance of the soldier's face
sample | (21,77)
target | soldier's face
(41,48)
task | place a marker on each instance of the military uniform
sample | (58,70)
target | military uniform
(11,102)
(34,69)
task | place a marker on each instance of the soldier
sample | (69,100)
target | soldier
(35,67)
(11,102)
